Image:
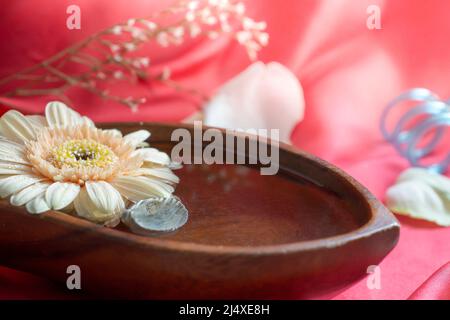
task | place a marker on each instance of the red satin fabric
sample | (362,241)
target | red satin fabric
(348,73)
(436,287)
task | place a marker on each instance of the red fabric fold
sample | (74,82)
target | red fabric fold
(437,287)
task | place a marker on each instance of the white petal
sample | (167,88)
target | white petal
(105,197)
(16,183)
(137,137)
(247,101)
(14,168)
(140,188)
(86,208)
(167,187)
(7,145)
(421,194)
(60,115)
(15,126)
(12,152)
(68,209)
(114,132)
(37,205)
(438,181)
(29,193)
(143,144)
(12,157)
(37,121)
(60,194)
(87,121)
(162,173)
(153,155)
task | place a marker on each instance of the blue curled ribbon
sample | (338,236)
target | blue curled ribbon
(435,119)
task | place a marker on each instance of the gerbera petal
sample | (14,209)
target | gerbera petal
(163,173)
(29,193)
(12,152)
(37,121)
(37,205)
(105,197)
(69,208)
(60,194)
(114,133)
(11,157)
(143,144)
(15,126)
(16,144)
(59,115)
(86,208)
(6,146)
(15,183)
(88,121)
(139,188)
(137,137)
(153,155)
(14,168)
(170,189)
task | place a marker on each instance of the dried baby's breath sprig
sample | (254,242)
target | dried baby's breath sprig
(114,54)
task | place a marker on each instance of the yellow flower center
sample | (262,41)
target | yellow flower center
(82,153)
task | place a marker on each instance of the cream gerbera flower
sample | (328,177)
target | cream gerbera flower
(63,162)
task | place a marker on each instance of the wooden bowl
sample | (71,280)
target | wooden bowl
(310,230)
